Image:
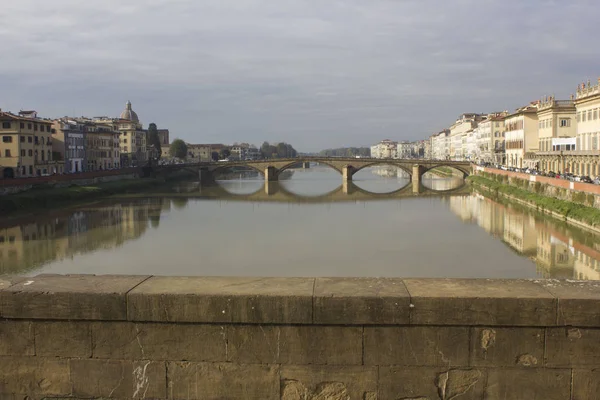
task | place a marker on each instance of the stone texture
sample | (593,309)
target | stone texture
(216,381)
(223,299)
(63,339)
(34,377)
(416,346)
(577,301)
(431,383)
(586,384)
(333,345)
(507,347)
(253,344)
(480,302)
(118,379)
(16,338)
(528,384)
(571,346)
(72,297)
(356,301)
(328,383)
(129,340)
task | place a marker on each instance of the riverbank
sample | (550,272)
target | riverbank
(42,198)
(578,214)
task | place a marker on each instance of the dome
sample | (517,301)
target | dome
(129,113)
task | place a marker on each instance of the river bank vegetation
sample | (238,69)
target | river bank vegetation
(567,209)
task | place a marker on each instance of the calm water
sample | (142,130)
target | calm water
(307,225)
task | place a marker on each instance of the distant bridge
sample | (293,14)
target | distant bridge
(277,192)
(347,167)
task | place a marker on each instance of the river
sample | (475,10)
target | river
(307,225)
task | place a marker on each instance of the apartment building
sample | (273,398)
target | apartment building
(26,145)
(587,105)
(490,138)
(521,134)
(68,144)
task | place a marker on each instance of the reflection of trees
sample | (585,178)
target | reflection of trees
(179,202)
(30,244)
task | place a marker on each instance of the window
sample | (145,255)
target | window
(22,139)
(6,125)
(596,114)
(49,155)
(29,139)
(35,127)
(30,153)
(23,153)
(22,125)
(47,128)
(583,115)
(7,139)
(565,122)
(30,169)
(29,126)
(124,140)
(6,153)
(589,115)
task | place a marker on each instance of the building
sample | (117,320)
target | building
(440,145)
(587,104)
(26,146)
(385,149)
(490,138)
(458,134)
(404,150)
(68,144)
(133,140)
(521,128)
(102,145)
(163,136)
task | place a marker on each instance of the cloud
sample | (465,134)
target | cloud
(315,74)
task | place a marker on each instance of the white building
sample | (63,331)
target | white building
(521,135)
(385,149)
(404,150)
(587,103)
(440,145)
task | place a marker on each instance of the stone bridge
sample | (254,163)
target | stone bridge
(348,191)
(347,167)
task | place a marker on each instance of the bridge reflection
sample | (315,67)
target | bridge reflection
(348,191)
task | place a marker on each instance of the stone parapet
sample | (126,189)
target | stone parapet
(124,337)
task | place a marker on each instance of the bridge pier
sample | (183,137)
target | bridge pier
(347,172)
(205,176)
(306,165)
(417,173)
(271,187)
(270,174)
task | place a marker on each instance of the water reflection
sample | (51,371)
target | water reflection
(381,179)
(558,250)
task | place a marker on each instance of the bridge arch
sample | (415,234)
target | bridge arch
(226,166)
(391,163)
(466,171)
(300,161)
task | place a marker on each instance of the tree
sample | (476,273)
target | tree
(178,149)
(224,153)
(154,139)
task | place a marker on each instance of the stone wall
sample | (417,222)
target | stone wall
(12,186)
(583,193)
(210,338)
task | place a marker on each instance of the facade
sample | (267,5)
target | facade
(200,152)
(557,128)
(440,145)
(521,129)
(404,150)
(587,104)
(385,149)
(68,144)
(133,140)
(490,139)
(102,146)
(238,152)
(26,146)
(458,134)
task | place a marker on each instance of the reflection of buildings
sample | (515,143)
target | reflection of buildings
(560,251)
(30,245)
(389,172)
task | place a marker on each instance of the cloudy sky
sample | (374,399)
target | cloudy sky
(314,73)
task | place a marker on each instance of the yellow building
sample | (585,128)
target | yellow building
(133,142)
(26,145)
(556,120)
(521,135)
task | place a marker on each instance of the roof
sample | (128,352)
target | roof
(9,115)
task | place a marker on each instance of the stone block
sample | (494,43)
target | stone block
(430,383)
(34,376)
(136,341)
(480,302)
(507,347)
(216,381)
(577,301)
(63,339)
(16,338)
(328,382)
(586,384)
(569,346)
(361,301)
(528,384)
(333,345)
(73,297)
(223,299)
(253,344)
(118,379)
(416,346)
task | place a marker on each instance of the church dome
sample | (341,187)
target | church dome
(129,113)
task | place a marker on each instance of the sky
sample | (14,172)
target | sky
(316,74)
